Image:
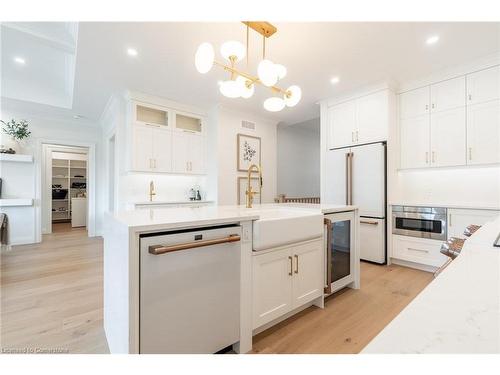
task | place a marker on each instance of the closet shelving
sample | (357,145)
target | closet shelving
(65,172)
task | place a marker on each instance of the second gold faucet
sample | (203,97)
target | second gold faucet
(249,192)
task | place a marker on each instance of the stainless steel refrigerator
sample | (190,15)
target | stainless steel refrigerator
(357,175)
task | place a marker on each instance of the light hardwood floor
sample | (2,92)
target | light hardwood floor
(51,297)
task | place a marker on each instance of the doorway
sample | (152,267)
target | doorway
(65,202)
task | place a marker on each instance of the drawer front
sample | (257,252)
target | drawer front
(418,251)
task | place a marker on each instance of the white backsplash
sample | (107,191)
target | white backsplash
(135,187)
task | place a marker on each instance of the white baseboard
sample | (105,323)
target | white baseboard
(418,266)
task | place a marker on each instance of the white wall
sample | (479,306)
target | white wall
(298,166)
(227,124)
(52,130)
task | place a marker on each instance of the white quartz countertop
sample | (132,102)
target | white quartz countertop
(154,203)
(184,217)
(444,205)
(458,312)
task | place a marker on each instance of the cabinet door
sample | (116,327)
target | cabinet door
(180,152)
(372,117)
(162,150)
(483,86)
(414,142)
(335,186)
(142,153)
(483,133)
(459,219)
(308,272)
(448,138)
(448,94)
(342,125)
(272,286)
(372,239)
(414,103)
(196,154)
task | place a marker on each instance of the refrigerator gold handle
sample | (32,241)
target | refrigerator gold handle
(347,177)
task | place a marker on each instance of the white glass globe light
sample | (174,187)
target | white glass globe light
(274,104)
(204,58)
(267,73)
(230,89)
(245,91)
(295,96)
(233,48)
(280,70)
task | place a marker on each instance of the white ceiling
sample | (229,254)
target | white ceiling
(359,53)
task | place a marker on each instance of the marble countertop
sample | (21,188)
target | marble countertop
(459,311)
(450,205)
(155,218)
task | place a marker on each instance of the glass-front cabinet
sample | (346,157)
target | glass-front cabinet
(340,250)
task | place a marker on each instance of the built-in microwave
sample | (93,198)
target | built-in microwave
(423,222)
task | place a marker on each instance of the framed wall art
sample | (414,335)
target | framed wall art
(248,151)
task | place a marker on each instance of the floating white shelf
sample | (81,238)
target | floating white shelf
(19,158)
(14,202)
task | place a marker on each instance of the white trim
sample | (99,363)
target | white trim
(17,158)
(39,162)
(359,92)
(452,72)
(164,102)
(417,266)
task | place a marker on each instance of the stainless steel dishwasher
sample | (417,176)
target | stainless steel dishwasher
(190,290)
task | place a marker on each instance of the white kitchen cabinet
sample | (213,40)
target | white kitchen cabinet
(483,133)
(308,275)
(448,133)
(188,122)
(359,121)
(459,219)
(285,279)
(341,125)
(372,117)
(448,94)
(483,86)
(272,285)
(414,142)
(142,148)
(152,148)
(162,150)
(418,250)
(188,153)
(414,103)
(149,114)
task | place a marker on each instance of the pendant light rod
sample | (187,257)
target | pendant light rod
(233,71)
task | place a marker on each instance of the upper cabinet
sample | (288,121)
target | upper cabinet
(449,94)
(359,121)
(164,140)
(414,103)
(483,86)
(451,123)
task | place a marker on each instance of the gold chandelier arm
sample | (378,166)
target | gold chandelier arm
(251,78)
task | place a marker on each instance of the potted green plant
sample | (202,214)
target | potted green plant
(16,132)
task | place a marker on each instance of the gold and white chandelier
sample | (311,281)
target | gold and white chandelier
(241,84)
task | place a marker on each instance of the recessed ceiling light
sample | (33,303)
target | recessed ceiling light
(335,80)
(131,52)
(20,60)
(432,39)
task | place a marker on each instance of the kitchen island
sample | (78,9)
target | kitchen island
(459,312)
(296,228)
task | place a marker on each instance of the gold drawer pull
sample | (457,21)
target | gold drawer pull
(297,263)
(369,222)
(159,249)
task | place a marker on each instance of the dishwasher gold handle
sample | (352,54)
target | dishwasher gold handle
(160,249)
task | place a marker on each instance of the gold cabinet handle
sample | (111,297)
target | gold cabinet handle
(426,157)
(427,107)
(433,157)
(470,97)
(160,249)
(296,263)
(369,222)
(357,136)
(352,136)
(470,153)
(415,249)
(291,265)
